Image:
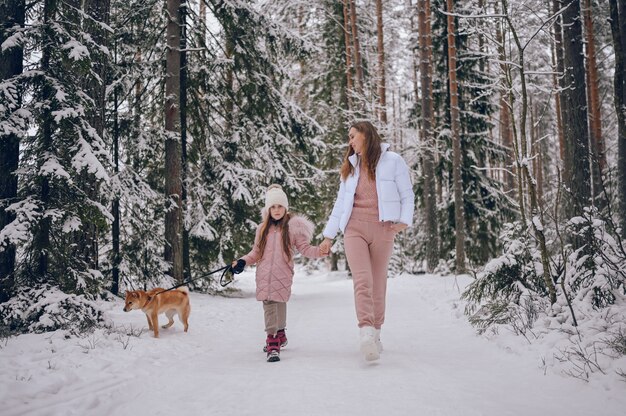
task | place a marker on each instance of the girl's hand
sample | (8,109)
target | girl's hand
(238,266)
(398,226)
(325,246)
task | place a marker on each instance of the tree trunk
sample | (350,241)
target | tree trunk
(536,153)
(536,209)
(334,260)
(12,13)
(229,51)
(137,104)
(98,11)
(481,38)
(346,30)
(428,137)
(382,92)
(556,81)
(41,240)
(173,182)
(455,124)
(506,135)
(183,135)
(202,14)
(618,33)
(414,60)
(357,50)
(560,66)
(596,142)
(574,102)
(115,207)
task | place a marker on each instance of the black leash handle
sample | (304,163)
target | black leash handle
(225,269)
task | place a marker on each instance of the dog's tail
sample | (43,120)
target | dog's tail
(183,289)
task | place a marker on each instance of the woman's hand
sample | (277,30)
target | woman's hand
(325,246)
(398,226)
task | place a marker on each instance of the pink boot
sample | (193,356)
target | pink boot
(282,337)
(272,346)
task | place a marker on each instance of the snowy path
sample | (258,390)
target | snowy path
(433,363)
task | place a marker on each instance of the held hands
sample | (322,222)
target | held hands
(237,266)
(325,246)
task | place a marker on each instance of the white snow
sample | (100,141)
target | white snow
(85,158)
(52,167)
(433,362)
(78,51)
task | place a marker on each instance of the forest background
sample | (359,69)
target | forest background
(137,138)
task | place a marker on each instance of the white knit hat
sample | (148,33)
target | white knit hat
(276,196)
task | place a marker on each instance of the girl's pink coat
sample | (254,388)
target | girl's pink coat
(274,273)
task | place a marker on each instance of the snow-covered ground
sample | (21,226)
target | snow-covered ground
(433,362)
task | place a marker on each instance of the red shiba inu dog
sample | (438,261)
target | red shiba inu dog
(171,303)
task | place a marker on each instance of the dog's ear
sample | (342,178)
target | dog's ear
(134,294)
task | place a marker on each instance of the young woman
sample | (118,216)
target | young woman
(375,201)
(276,238)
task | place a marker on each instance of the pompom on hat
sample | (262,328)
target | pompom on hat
(276,196)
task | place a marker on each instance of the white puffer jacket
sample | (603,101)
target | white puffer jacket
(394,188)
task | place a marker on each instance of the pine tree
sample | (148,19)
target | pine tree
(251,136)
(618,23)
(12,127)
(63,187)
(135,249)
(455,124)
(173,162)
(574,105)
(427,133)
(596,141)
(486,208)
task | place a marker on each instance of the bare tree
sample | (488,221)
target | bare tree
(536,209)
(455,124)
(428,135)
(173,174)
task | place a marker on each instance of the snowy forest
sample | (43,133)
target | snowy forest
(137,139)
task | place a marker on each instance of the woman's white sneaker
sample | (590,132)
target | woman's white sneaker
(369,348)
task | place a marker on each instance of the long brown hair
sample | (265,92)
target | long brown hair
(370,154)
(283,226)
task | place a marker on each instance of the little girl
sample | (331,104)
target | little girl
(276,237)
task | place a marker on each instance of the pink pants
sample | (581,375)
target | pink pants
(368,247)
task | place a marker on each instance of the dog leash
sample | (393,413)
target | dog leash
(223,282)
